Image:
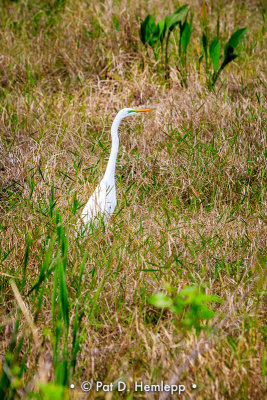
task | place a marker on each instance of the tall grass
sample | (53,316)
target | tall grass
(189,225)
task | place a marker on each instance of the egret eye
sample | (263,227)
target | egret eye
(131,111)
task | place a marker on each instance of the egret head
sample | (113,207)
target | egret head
(128,112)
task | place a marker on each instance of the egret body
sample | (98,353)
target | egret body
(102,203)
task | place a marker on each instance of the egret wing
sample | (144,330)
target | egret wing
(95,207)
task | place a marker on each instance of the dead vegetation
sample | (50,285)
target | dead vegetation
(190,202)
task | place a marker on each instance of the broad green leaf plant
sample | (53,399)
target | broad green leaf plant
(212,48)
(153,34)
(190,304)
(184,39)
(157,36)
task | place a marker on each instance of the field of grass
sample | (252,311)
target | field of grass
(190,214)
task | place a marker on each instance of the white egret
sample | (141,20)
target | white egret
(102,203)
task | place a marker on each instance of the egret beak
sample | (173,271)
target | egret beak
(140,111)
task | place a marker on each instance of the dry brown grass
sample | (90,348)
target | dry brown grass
(190,197)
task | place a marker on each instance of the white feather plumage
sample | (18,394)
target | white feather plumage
(102,203)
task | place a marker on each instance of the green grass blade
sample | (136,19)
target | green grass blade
(63,292)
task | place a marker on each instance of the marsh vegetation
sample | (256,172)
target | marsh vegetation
(174,290)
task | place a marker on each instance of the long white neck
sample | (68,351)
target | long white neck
(110,170)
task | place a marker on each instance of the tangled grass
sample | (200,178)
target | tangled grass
(191,205)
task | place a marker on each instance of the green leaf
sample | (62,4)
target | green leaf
(189,290)
(148,27)
(234,40)
(230,57)
(205,313)
(185,38)
(215,47)
(169,287)
(173,19)
(116,23)
(52,391)
(161,30)
(160,300)
(237,37)
(205,47)
(204,42)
